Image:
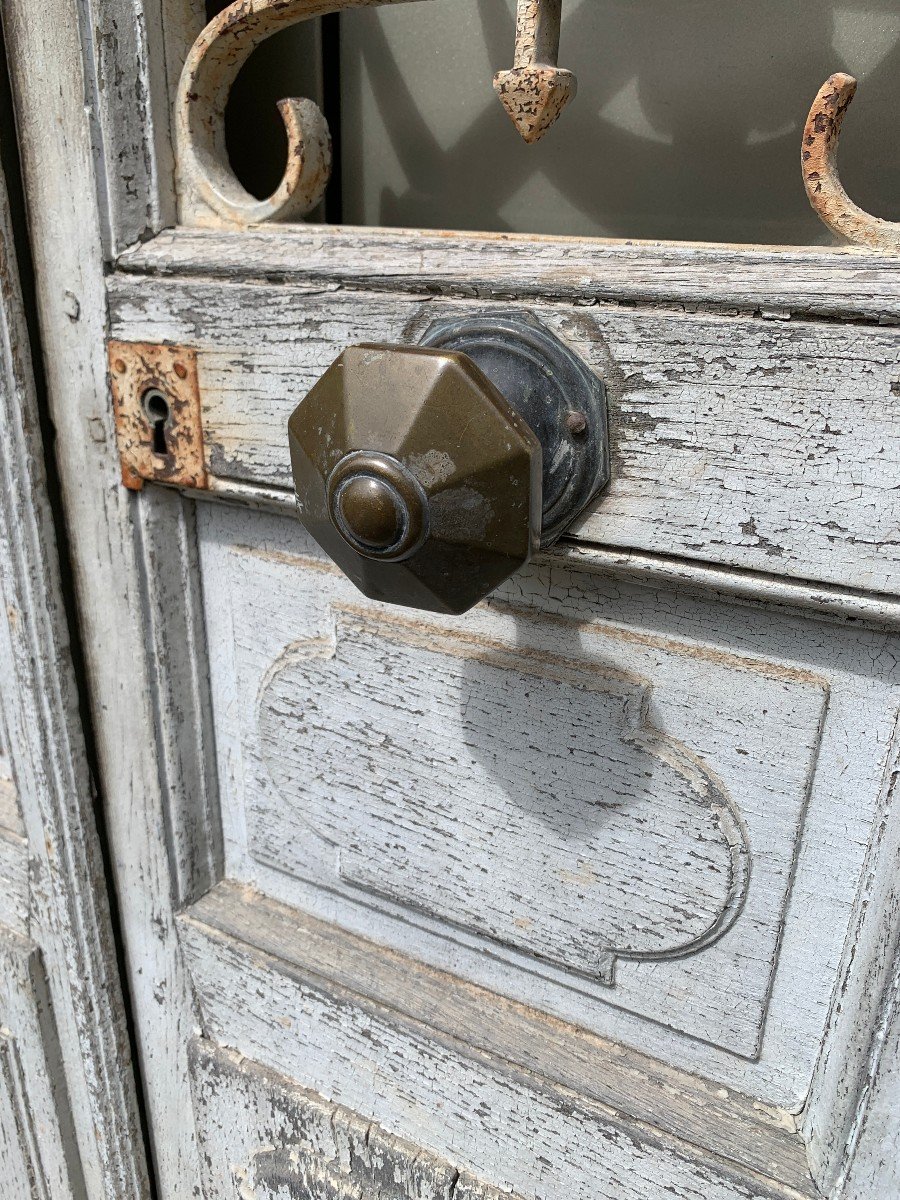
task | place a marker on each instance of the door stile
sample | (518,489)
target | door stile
(71,168)
(68,911)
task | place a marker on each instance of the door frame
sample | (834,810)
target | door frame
(70,1054)
(98,172)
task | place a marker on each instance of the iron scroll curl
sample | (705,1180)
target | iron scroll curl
(821,178)
(210,194)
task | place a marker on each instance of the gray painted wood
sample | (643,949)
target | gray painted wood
(70,166)
(295,1144)
(626,1081)
(859,1061)
(14,883)
(529,798)
(505,1125)
(769,447)
(51,871)
(726,684)
(842,284)
(39,1158)
(872,1167)
(774,592)
(181,698)
(711,319)
(10,812)
(121,42)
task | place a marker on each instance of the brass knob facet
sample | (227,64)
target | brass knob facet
(424,482)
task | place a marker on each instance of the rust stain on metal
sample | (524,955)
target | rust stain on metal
(536,90)
(822,181)
(159,426)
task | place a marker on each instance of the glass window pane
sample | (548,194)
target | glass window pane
(687,122)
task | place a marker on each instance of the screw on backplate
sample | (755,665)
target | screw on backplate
(576,423)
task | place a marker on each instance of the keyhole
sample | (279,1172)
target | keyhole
(156,406)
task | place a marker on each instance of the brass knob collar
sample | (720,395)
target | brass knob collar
(378,506)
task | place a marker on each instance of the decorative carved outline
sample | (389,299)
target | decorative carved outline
(534,93)
(641,733)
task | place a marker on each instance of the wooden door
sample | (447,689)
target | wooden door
(69,1124)
(589,893)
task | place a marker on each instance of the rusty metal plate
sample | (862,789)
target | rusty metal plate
(159,430)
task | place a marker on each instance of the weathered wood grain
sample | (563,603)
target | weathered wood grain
(39,1158)
(14,883)
(295,1143)
(121,42)
(873,1166)
(18,1169)
(769,448)
(66,190)
(505,1123)
(841,284)
(715,671)
(753,588)
(502,1121)
(528,797)
(624,1080)
(859,1063)
(167,539)
(10,813)
(67,904)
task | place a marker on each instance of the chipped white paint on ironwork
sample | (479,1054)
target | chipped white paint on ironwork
(209,192)
(826,193)
(536,90)
(534,93)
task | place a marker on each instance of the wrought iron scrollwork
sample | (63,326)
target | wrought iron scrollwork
(823,184)
(534,93)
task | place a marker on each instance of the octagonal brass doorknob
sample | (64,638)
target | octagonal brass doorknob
(431,473)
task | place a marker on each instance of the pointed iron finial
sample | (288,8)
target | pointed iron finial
(536,90)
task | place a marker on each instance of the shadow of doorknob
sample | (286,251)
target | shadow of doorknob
(432,473)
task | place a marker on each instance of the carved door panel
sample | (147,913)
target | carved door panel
(590,892)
